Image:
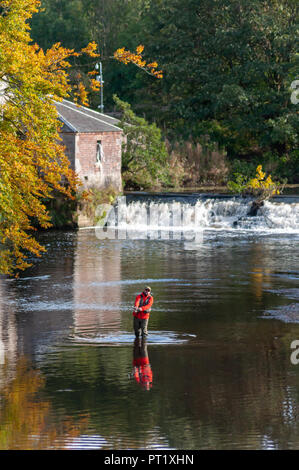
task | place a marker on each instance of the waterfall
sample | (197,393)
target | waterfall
(166,216)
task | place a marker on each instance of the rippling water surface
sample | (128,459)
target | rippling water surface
(216,367)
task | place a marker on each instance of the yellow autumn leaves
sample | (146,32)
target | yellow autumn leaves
(91,49)
(122,55)
(260,183)
(126,57)
(261,186)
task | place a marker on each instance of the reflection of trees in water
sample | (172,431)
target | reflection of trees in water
(25,419)
(237,397)
(121,412)
(242,394)
(208,400)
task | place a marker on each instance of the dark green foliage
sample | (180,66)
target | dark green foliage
(62,211)
(228,68)
(63,21)
(145,161)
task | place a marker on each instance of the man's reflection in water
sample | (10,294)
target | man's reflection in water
(141,366)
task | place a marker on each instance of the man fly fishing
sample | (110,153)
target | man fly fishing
(141,312)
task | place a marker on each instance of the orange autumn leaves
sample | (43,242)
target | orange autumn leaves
(26,420)
(126,57)
(122,55)
(33,164)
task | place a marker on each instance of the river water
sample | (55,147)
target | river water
(217,362)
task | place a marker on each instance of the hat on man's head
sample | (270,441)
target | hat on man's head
(147,288)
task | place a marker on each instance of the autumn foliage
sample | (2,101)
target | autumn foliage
(136,58)
(32,160)
(260,187)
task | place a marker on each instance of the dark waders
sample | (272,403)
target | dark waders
(140,327)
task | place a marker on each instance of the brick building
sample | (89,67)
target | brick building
(93,144)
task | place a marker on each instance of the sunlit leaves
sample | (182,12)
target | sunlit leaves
(127,57)
(145,160)
(260,186)
(91,50)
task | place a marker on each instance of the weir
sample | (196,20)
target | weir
(143,212)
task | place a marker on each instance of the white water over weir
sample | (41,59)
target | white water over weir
(167,216)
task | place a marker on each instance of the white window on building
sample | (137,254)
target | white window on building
(99,151)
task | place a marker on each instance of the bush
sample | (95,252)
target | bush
(199,163)
(242,167)
(260,186)
(283,167)
(145,161)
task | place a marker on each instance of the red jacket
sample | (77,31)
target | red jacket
(145,302)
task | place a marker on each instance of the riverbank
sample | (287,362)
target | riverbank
(289,190)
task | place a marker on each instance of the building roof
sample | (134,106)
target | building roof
(81,119)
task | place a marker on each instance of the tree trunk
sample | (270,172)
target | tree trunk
(255,205)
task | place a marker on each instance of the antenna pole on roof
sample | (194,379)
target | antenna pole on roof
(99,78)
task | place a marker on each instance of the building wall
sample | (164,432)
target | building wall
(69,141)
(93,173)
(81,148)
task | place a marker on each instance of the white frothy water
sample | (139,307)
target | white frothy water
(207,214)
(281,216)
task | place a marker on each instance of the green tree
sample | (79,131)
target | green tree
(228,66)
(145,161)
(63,21)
